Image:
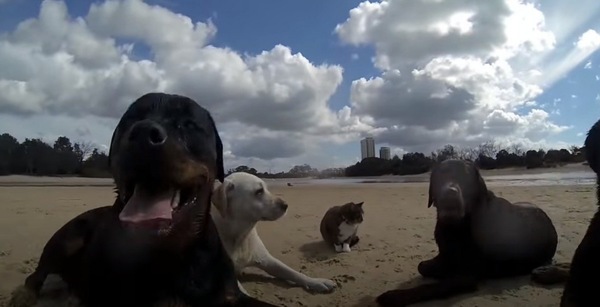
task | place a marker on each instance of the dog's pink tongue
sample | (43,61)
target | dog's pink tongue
(142,207)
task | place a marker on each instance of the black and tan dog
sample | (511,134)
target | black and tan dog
(157,245)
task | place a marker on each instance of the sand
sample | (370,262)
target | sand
(396,235)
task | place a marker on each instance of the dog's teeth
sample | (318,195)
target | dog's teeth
(175,200)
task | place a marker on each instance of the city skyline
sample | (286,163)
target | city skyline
(367,149)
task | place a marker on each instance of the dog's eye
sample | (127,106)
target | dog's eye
(189,124)
(259,192)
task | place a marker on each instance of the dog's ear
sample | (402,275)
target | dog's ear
(112,149)
(360,204)
(482,190)
(219,149)
(220,197)
(592,147)
(430,199)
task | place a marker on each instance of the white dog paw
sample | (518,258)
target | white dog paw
(338,248)
(346,248)
(321,285)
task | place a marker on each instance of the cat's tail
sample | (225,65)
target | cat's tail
(354,240)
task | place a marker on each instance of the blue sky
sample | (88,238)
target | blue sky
(308,27)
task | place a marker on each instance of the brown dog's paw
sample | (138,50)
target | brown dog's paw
(551,274)
(22,297)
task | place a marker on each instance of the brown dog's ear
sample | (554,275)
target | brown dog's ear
(592,147)
(430,199)
(482,190)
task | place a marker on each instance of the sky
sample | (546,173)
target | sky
(294,82)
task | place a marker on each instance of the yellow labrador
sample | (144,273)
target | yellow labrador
(241,201)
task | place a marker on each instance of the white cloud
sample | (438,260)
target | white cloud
(55,64)
(588,65)
(460,73)
(588,41)
(450,72)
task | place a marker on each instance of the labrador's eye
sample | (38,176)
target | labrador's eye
(260,192)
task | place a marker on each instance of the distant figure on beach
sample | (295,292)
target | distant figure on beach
(339,226)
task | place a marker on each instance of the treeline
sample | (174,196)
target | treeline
(298,171)
(63,158)
(487,156)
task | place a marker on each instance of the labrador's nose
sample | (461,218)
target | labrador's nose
(281,204)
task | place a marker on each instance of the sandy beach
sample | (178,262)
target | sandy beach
(396,235)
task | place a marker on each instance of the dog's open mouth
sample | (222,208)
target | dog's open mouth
(156,211)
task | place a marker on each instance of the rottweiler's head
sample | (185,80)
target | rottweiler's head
(165,154)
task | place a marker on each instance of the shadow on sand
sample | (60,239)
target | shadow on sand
(264,279)
(317,251)
(486,287)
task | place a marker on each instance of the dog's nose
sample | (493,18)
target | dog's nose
(150,132)
(157,135)
(282,204)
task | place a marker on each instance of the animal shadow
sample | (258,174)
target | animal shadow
(487,287)
(365,301)
(317,251)
(264,279)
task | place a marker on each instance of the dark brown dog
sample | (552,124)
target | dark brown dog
(479,236)
(157,244)
(581,289)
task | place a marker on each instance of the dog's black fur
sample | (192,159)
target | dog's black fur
(108,262)
(460,264)
(581,288)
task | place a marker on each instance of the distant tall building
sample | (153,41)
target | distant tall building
(384,153)
(367,147)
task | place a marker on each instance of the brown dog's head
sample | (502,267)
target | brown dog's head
(592,147)
(592,153)
(165,154)
(455,187)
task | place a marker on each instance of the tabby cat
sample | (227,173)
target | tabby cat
(340,225)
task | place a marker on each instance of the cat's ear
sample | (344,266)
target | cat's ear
(220,196)
(360,204)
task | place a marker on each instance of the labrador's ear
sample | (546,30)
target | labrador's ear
(220,196)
